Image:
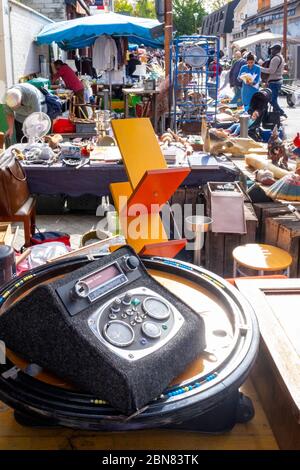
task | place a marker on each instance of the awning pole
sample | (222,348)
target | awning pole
(168,34)
(285,16)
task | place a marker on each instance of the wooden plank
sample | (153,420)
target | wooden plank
(214,252)
(254,435)
(278,408)
(178,197)
(251,224)
(231,241)
(279,372)
(191,197)
(271,232)
(139,147)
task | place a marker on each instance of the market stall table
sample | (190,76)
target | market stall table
(95,180)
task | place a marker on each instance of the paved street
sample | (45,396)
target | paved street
(292,124)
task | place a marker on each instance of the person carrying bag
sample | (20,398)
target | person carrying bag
(275,76)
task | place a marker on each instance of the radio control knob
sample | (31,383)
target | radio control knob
(116,305)
(126,299)
(132,262)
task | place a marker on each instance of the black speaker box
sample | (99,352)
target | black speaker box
(44,329)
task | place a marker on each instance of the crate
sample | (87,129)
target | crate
(5,233)
(219,246)
(284,232)
(265,210)
(182,196)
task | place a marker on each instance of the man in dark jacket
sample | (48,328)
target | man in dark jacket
(275,76)
(234,82)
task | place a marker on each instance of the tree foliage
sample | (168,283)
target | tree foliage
(216,4)
(145,9)
(184,20)
(123,7)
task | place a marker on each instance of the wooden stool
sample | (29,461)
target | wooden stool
(261,258)
(25,214)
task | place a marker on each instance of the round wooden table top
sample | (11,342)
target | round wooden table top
(262,257)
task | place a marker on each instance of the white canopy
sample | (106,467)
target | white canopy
(263,37)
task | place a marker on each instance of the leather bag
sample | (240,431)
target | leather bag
(14,190)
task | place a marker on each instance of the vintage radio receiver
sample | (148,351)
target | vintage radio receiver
(108,327)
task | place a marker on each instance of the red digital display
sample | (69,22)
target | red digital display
(101,277)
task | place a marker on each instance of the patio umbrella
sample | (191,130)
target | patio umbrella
(287,188)
(83,32)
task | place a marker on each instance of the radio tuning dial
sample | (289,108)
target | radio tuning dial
(116,305)
(126,299)
(131,263)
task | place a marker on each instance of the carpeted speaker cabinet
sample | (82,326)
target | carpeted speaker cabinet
(109,328)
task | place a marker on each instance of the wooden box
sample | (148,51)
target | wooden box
(263,211)
(284,232)
(182,196)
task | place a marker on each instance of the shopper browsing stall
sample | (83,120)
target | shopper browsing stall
(21,100)
(72,82)
(250,77)
(234,81)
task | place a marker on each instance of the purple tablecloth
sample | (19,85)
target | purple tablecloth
(96,179)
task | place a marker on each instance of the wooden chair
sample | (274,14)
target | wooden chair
(81,109)
(25,214)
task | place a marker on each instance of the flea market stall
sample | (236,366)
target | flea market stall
(140,329)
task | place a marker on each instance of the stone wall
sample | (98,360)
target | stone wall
(56,9)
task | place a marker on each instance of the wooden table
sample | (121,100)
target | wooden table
(261,258)
(277,370)
(142,92)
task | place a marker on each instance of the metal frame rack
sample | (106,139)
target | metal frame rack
(195,88)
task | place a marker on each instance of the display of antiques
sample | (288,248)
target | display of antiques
(287,188)
(175,147)
(102,128)
(277,151)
